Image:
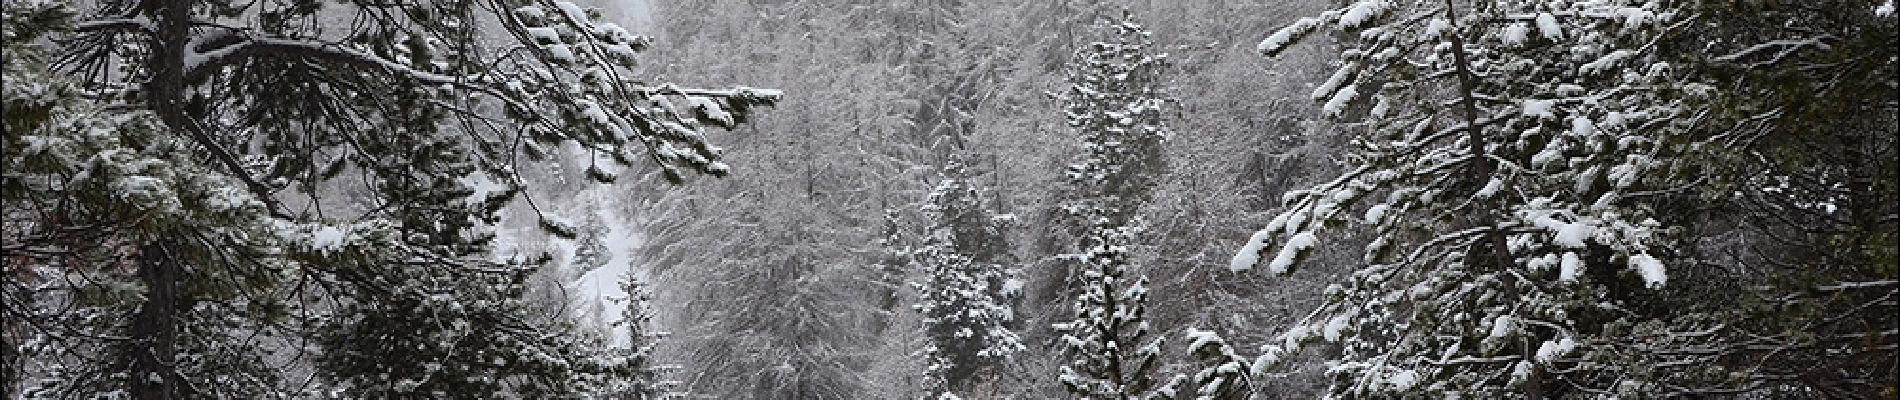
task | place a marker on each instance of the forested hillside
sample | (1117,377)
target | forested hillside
(887,199)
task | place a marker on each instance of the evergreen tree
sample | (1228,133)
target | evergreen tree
(1522,151)
(1115,104)
(1114,349)
(962,295)
(97,200)
(1798,207)
(274,184)
(590,246)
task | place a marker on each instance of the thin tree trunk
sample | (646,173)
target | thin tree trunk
(1481,169)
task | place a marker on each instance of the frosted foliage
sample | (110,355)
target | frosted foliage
(1113,347)
(1249,254)
(1574,121)
(1114,103)
(962,295)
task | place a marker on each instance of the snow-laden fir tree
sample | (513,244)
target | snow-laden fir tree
(286,184)
(1114,352)
(97,198)
(1114,103)
(963,295)
(1512,157)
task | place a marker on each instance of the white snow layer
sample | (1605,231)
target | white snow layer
(1013,287)
(1550,350)
(1539,108)
(1199,338)
(1337,104)
(1335,327)
(1436,27)
(1501,327)
(1250,253)
(1376,213)
(1573,235)
(1571,266)
(1291,251)
(1547,25)
(1403,380)
(1362,12)
(1582,127)
(328,239)
(1650,268)
(1280,38)
(1515,34)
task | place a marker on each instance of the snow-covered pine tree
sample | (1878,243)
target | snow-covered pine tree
(1114,350)
(226,109)
(1511,157)
(1114,102)
(647,378)
(96,198)
(963,293)
(590,244)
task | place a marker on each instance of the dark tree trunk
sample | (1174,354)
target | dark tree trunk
(1494,249)
(153,369)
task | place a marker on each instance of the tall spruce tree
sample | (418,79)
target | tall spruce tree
(963,293)
(285,183)
(1114,103)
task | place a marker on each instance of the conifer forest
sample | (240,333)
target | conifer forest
(950,199)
